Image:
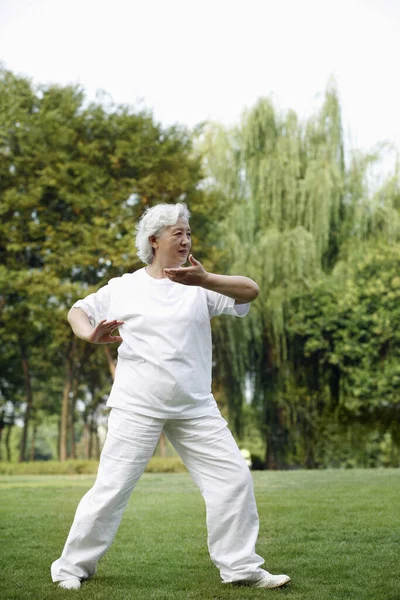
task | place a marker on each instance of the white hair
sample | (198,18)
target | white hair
(153,222)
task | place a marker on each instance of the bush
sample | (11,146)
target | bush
(257,463)
(171,464)
(50,467)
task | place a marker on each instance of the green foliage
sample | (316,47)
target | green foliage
(271,198)
(347,327)
(50,467)
(74,179)
(157,464)
(295,218)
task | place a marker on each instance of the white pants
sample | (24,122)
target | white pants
(213,459)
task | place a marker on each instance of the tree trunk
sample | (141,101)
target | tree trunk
(2,426)
(310,462)
(71,420)
(276,431)
(59,437)
(86,439)
(276,439)
(97,445)
(110,360)
(65,406)
(75,376)
(29,403)
(163,448)
(71,430)
(7,441)
(94,440)
(64,420)
(270,457)
(90,445)
(90,440)
(33,442)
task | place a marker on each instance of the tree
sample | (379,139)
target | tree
(293,212)
(74,180)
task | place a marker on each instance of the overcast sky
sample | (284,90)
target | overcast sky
(195,60)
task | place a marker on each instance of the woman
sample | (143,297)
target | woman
(163,383)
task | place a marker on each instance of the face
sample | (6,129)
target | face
(173,246)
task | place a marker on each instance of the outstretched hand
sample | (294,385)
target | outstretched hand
(102,333)
(193,275)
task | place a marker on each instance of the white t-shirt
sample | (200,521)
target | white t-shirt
(164,362)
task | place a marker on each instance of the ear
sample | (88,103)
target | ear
(153,241)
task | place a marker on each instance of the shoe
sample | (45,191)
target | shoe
(70,584)
(268,581)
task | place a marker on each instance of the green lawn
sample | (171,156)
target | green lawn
(336,533)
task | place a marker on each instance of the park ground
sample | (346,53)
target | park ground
(336,533)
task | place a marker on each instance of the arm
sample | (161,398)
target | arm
(242,289)
(101,334)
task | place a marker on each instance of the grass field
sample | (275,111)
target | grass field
(336,533)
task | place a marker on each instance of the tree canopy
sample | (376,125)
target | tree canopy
(297,213)
(279,200)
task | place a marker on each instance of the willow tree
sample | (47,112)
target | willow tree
(292,211)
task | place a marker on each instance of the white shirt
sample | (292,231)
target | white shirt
(165,359)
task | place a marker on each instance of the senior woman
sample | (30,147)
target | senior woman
(163,383)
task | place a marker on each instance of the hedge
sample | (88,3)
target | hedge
(171,464)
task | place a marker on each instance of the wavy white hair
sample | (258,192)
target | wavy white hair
(153,222)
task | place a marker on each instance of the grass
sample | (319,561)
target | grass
(336,533)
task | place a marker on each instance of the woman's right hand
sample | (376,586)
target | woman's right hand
(102,333)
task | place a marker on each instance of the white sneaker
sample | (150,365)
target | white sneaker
(70,584)
(268,581)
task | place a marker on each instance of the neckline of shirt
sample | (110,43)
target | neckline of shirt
(163,281)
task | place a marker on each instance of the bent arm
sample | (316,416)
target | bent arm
(242,289)
(101,334)
(80,323)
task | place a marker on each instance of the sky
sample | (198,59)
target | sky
(190,61)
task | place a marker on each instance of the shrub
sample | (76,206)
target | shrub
(171,464)
(257,463)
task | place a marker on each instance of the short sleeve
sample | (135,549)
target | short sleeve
(218,304)
(96,306)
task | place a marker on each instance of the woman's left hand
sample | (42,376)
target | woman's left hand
(194,275)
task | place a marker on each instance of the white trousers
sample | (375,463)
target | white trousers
(213,459)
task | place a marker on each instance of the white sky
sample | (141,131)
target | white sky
(190,60)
